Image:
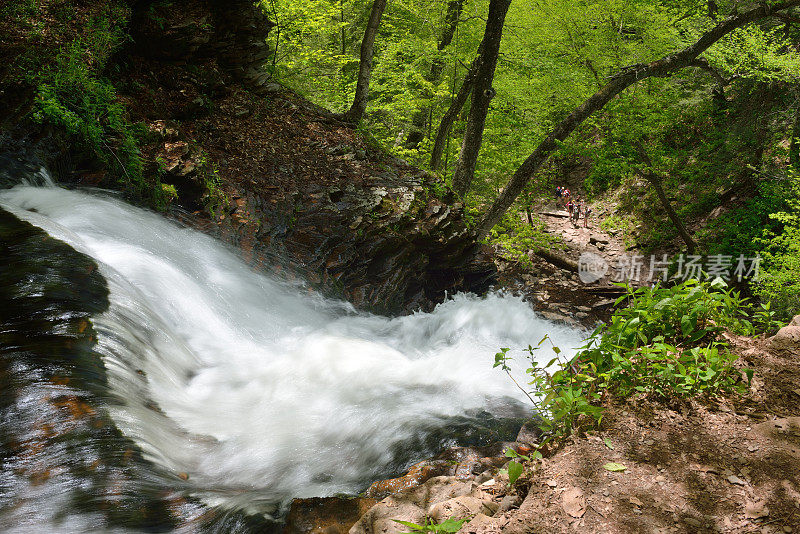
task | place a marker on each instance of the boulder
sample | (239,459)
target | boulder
(461,507)
(788,338)
(380,519)
(412,505)
(479,523)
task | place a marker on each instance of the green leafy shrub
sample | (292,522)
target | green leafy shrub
(71,95)
(779,280)
(560,397)
(667,342)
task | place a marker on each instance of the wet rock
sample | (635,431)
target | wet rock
(384,246)
(50,292)
(418,474)
(326,514)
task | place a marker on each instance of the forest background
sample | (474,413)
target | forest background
(722,135)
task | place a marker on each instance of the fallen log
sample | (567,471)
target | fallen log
(557,260)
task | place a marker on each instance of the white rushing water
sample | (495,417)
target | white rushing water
(264,391)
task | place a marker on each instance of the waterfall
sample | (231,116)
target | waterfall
(261,391)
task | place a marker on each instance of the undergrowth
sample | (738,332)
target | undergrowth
(72,94)
(667,343)
(516,238)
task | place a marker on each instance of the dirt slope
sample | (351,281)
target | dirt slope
(719,465)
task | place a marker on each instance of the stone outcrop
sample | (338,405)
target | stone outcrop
(315,202)
(53,387)
(233,31)
(385,246)
(439,498)
(787,340)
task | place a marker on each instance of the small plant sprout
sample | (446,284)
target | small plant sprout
(451,525)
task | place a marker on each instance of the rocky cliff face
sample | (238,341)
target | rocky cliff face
(384,245)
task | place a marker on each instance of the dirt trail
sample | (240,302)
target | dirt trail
(560,294)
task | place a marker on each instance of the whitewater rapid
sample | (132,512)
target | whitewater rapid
(260,391)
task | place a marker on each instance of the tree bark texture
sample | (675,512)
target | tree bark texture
(356,111)
(482,94)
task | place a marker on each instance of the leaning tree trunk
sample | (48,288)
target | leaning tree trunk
(621,81)
(482,94)
(655,181)
(356,111)
(420,118)
(449,117)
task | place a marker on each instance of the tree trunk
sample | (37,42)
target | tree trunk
(621,81)
(482,94)
(655,180)
(450,115)
(794,144)
(356,111)
(420,118)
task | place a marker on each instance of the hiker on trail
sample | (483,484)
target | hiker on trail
(586,214)
(576,212)
(558,192)
(569,209)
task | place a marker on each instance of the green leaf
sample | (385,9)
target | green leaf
(686,325)
(450,525)
(608,443)
(410,525)
(514,471)
(749,374)
(614,467)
